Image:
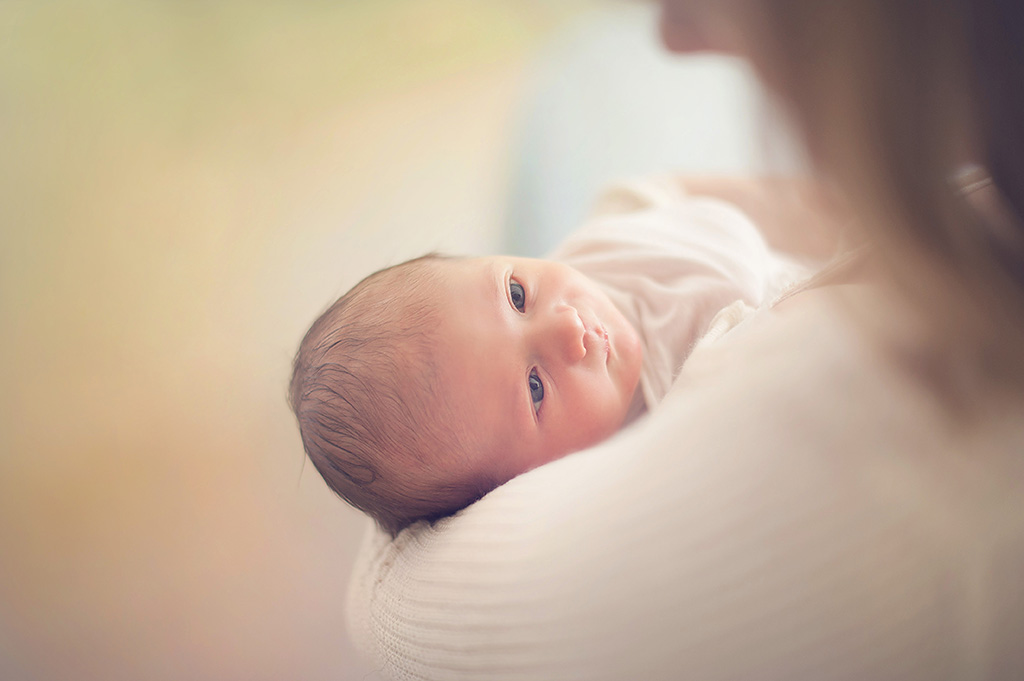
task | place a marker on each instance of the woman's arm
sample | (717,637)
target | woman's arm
(750,527)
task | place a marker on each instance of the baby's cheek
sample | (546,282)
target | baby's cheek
(600,420)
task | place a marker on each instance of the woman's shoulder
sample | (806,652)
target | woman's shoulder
(858,364)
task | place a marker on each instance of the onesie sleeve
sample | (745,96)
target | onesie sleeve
(629,196)
(671,262)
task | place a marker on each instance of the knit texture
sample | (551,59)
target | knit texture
(798,507)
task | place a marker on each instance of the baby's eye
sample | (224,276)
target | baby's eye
(517,294)
(536,389)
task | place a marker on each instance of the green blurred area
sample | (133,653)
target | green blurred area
(98,94)
(90,90)
(192,65)
(183,185)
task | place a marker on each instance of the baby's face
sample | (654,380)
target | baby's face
(535,359)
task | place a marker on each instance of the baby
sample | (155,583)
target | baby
(432,382)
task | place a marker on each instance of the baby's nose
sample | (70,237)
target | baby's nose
(566,333)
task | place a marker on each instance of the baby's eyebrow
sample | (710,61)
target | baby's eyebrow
(520,396)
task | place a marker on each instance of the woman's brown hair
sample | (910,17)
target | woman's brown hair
(892,98)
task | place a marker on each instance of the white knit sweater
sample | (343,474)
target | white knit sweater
(798,507)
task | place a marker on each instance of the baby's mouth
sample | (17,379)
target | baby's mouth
(598,334)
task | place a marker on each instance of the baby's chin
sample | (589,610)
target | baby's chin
(631,358)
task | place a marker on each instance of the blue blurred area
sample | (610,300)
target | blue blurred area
(608,102)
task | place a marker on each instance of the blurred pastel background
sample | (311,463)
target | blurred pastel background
(183,187)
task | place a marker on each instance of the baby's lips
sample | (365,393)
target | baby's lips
(599,334)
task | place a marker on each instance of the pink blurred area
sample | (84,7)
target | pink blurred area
(183,186)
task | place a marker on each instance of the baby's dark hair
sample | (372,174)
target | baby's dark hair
(373,419)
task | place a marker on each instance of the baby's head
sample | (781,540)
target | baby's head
(434,381)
